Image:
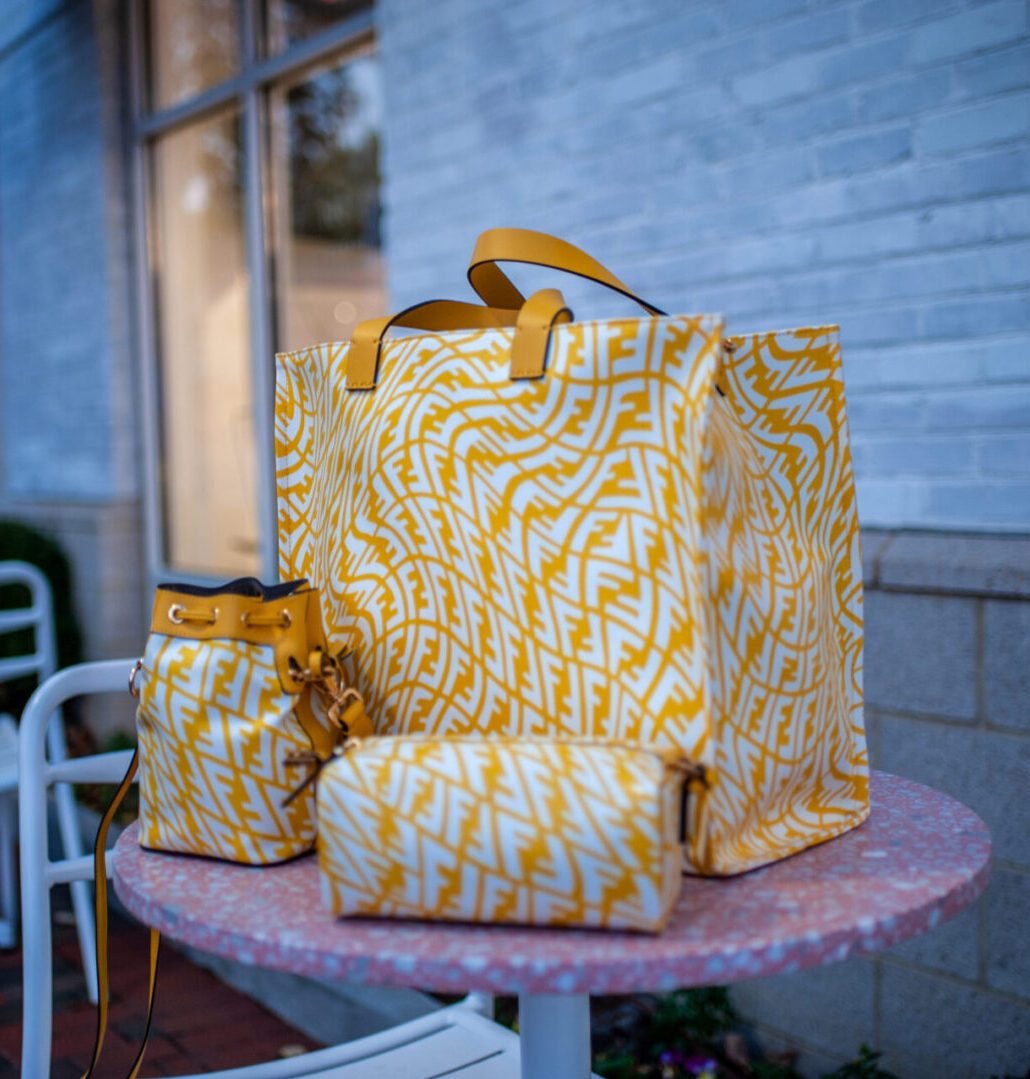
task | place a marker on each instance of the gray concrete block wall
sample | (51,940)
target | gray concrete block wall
(948,650)
(786,162)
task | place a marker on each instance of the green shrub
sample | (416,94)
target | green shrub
(27,544)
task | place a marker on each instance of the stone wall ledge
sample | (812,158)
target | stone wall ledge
(963,563)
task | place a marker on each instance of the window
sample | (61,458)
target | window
(256,155)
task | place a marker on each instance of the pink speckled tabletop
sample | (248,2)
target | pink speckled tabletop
(918,860)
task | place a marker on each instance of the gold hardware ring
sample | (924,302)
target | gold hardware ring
(136,668)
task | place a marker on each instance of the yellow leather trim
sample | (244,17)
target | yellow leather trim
(367,342)
(227,613)
(495,288)
(356,721)
(533,332)
(533,317)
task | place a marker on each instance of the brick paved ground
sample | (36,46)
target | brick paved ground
(199,1023)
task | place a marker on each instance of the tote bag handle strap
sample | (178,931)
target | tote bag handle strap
(532,319)
(495,288)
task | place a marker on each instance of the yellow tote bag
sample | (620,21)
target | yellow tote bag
(639,529)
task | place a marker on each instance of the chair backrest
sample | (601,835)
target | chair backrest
(37,616)
(38,873)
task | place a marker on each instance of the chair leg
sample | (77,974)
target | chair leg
(82,894)
(71,842)
(85,926)
(8,875)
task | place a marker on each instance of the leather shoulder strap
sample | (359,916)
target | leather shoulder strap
(103,981)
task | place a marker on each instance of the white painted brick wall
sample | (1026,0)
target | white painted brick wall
(782,161)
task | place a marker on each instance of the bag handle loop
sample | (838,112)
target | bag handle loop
(495,288)
(532,319)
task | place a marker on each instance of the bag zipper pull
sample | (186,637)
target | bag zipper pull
(692,773)
(310,759)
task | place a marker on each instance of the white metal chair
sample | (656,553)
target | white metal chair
(458,1040)
(38,616)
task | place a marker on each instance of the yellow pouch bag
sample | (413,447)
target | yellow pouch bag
(527,831)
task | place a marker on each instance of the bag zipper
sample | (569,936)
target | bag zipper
(693,772)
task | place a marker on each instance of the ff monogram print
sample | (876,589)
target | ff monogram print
(655,542)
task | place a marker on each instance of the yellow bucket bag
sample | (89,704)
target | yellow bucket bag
(640,529)
(235,680)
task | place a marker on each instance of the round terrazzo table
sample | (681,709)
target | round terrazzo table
(919,859)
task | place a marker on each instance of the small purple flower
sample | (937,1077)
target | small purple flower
(672,1062)
(703,1067)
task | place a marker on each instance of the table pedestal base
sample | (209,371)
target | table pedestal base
(554,1031)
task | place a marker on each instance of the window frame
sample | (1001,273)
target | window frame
(248,90)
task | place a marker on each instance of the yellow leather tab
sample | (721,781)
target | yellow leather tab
(356,722)
(363,353)
(436,315)
(322,735)
(494,286)
(533,332)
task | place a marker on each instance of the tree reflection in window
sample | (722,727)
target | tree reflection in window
(334,159)
(329,266)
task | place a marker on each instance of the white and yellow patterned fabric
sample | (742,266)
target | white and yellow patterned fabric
(218,716)
(615,550)
(535,832)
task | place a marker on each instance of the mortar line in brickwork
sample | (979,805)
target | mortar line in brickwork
(1011,867)
(878,558)
(795,1041)
(931,717)
(979,984)
(815,269)
(951,592)
(982,939)
(880,712)
(37,27)
(981,688)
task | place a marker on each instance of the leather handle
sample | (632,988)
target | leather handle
(532,319)
(495,288)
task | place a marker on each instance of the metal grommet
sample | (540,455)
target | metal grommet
(287,619)
(245,618)
(136,668)
(175,613)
